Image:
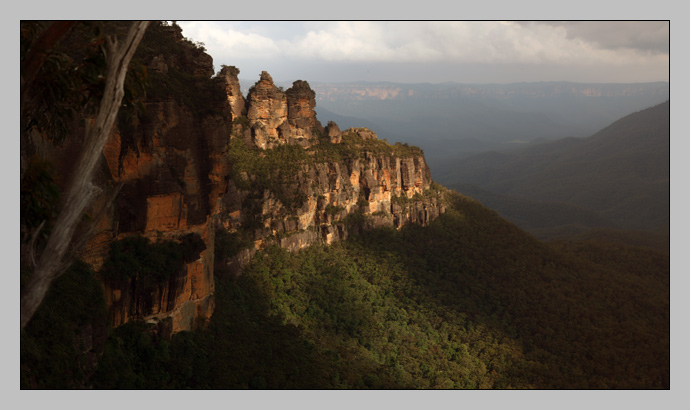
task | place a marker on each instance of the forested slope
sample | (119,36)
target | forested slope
(470,301)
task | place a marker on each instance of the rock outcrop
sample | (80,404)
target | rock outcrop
(276,117)
(233,90)
(304,127)
(172,169)
(267,113)
(333,132)
(261,168)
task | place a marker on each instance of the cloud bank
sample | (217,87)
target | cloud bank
(587,45)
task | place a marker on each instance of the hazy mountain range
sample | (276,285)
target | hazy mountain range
(452,120)
(618,177)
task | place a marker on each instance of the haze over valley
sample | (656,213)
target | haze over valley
(451,121)
(619,176)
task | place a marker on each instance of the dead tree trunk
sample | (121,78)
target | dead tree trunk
(52,262)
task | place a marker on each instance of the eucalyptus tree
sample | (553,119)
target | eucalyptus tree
(79,192)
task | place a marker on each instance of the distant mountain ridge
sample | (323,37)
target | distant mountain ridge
(622,172)
(400,91)
(453,120)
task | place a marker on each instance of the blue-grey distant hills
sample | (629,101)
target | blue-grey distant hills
(618,177)
(451,120)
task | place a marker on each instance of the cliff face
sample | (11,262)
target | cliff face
(296,183)
(321,196)
(202,159)
(168,191)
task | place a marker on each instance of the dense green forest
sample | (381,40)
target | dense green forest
(470,301)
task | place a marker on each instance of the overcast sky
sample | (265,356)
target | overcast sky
(435,52)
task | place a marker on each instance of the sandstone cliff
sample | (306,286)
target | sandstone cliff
(169,164)
(201,159)
(328,190)
(277,117)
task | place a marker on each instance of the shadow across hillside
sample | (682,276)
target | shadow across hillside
(470,301)
(610,187)
(563,221)
(587,319)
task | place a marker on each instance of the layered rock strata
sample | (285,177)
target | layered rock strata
(374,187)
(177,178)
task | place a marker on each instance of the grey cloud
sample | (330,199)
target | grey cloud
(651,36)
(471,52)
